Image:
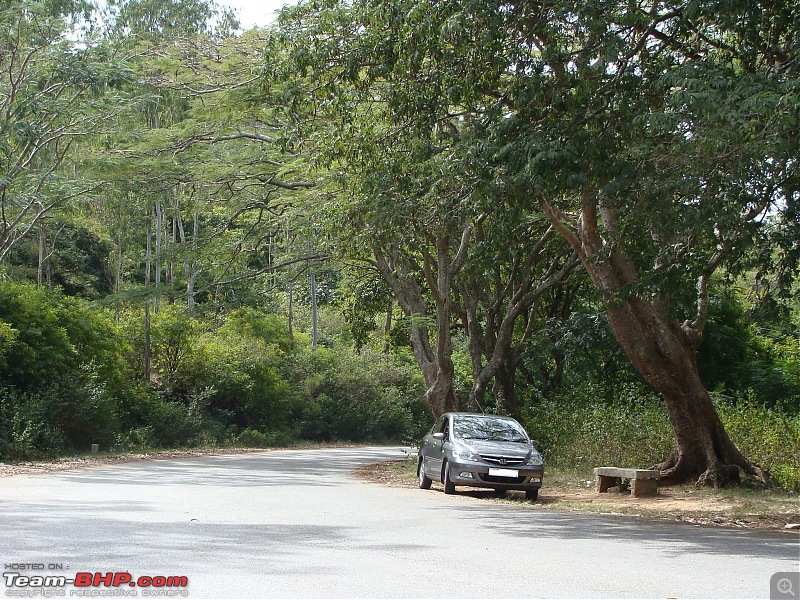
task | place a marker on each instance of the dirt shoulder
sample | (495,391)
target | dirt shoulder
(89,461)
(735,508)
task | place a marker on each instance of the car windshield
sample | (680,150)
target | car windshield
(488,428)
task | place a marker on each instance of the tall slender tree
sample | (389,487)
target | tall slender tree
(56,91)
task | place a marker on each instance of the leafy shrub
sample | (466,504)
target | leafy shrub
(252,438)
(70,375)
(173,331)
(40,351)
(161,424)
(48,421)
(575,430)
(62,364)
(242,376)
(735,357)
(768,436)
(357,397)
(26,431)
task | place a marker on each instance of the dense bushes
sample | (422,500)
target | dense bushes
(736,357)
(769,436)
(578,430)
(358,397)
(71,376)
(61,368)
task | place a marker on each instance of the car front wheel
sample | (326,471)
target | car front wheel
(449,486)
(424,480)
(532,494)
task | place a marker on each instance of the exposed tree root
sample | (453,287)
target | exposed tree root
(711,472)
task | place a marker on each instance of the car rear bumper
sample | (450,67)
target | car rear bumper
(512,478)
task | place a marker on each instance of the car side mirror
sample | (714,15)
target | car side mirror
(438,435)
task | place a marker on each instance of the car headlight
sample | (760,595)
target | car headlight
(535,459)
(463,453)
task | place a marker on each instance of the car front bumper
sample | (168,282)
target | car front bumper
(483,475)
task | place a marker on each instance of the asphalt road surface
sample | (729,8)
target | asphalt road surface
(296,524)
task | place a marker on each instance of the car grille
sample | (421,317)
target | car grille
(503,461)
(495,479)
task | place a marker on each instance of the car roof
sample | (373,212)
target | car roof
(474,414)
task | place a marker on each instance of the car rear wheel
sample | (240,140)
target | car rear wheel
(532,494)
(449,486)
(424,481)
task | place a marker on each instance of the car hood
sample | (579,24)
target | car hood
(510,449)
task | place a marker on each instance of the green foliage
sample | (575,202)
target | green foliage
(770,437)
(62,364)
(237,368)
(173,331)
(735,357)
(49,338)
(52,420)
(26,429)
(67,375)
(152,420)
(161,19)
(576,430)
(166,425)
(357,397)
(7,336)
(40,351)
(76,259)
(364,296)
(56,91)
(252,438)
(249,322)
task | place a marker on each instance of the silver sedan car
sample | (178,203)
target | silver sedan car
(477,450)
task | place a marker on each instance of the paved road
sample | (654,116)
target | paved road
(295,524)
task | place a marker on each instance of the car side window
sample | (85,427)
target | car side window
(437,426)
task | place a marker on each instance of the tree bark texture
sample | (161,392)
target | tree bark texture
(662,349)
(661,352)
(159,249)
(436,364)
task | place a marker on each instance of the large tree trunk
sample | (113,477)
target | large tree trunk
(663,354)
(436,365)
(441,394)
(504,388)
(660,348)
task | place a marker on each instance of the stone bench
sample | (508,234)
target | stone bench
(644,482)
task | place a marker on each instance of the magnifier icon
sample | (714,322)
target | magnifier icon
(785,587)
